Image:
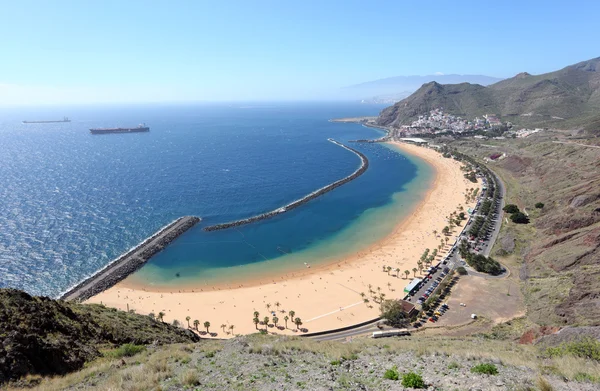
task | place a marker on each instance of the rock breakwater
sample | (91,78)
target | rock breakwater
(130,261)
(292,205)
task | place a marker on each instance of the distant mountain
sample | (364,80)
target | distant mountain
(569,97)
(398,87)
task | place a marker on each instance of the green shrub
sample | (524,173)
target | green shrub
(453,365)
(584,377)
(461,270)
(336,362)
(511,208)
(392,373)
(412,380)
(519,218)
(488,369)
(127,350)
(588,348)
(539,205)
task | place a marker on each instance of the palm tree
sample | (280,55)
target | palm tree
(256,314)
(275,320)
(415,271)
(151,315)
(277,304)
(366,300)
(407,272)
(160,316)
(286,318)
(434,232)
(378,289)
(420,266)
(397,272)
(298,323)
(256,321)
(384,268)
(206,326)
(362,294)
(223,326)
(187,318)
(266,322)
(196,323)
(370,286)
(389,269)
(231,328)
(268,305)
(292,313)
(447,238)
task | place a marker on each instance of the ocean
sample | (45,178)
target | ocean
(72,201)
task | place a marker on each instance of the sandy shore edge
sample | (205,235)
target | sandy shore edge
(325,297)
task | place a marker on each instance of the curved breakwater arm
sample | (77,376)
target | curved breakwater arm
(317,193)
(130,261)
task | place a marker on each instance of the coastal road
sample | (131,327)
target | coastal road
(498,221)
(347,334)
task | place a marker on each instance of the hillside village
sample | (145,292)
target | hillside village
(438,122)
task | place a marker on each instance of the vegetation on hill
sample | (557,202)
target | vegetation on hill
(42,336)
(569,97)
(260,362)
(558,250)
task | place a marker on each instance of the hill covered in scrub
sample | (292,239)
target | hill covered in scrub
(556,254)
(265,363)
(566,98)
(43,336)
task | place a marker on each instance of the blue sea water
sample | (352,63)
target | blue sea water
(72,202)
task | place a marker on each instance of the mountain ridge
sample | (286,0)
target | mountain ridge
(568,97)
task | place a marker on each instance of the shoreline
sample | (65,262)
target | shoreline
(341,281)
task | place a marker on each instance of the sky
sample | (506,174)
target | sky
(54,52)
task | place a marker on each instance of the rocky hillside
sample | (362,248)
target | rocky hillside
(566,98)
(42,336)
(268,363)
(560,248)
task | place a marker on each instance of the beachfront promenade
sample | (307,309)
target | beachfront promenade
(364,165)
(129,262)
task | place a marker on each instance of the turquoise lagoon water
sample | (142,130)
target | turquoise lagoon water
(72,202)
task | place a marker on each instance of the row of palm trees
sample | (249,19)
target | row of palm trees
(160,316)
(256,320)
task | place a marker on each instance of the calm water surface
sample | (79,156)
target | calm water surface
(71,202)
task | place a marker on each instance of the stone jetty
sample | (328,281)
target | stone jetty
(130,261)
(317,193)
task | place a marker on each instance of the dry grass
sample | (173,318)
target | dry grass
(544,385)
(179,364)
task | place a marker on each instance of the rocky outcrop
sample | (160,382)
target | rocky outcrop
(583,199)
(42,336)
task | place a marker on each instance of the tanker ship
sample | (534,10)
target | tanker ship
(139,128)
(65,119)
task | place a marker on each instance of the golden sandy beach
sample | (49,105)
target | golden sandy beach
(327,297)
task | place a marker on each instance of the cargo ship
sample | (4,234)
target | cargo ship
(139,128)
(65,119)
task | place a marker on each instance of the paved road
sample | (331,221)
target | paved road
(498,222)
(344,335)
